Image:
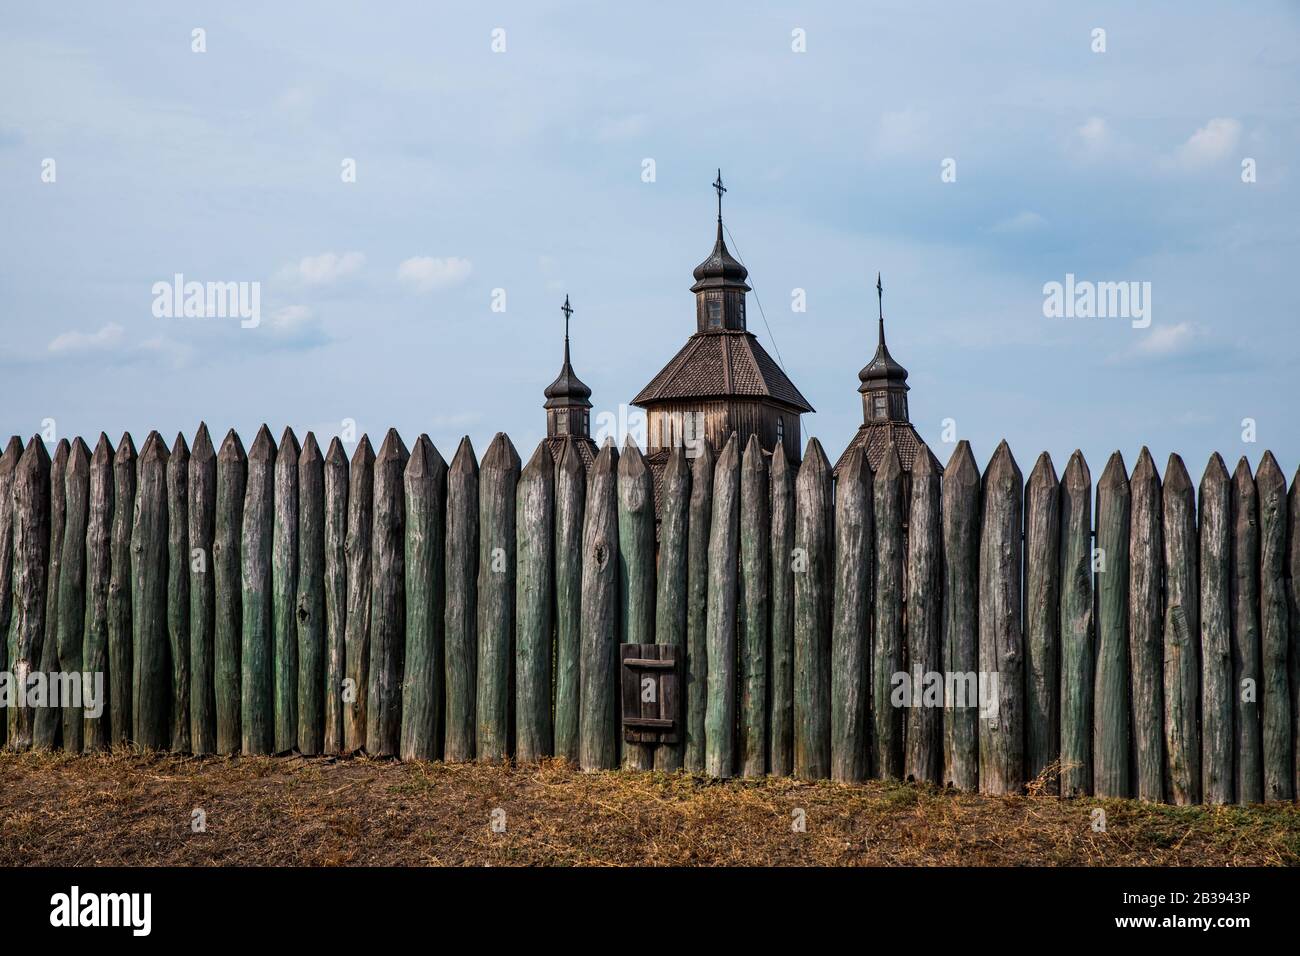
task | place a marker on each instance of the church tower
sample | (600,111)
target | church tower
(568,408)
(884,391)
(722,380)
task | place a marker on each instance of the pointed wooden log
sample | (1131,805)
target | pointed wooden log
(1182,675)
(423,687)
(598,724)
(178,593)
(535,539)
(812,564)
(257,690)
(99,570)
(1146,638)
(781,709)
(1246,671)
(752,603)
(1111,741)
(1002,733)
(697,591)
(49,718)
(120,627)
(72,588)
(356,679)
(31,496)
(850,633)
(888,640)
(284,594)
(310,603)
(227,581)
(570,507)
(8,463)
(636,569)
(923,758)
(1078,670)
(388,600)
(1275,692)
(1043,623)
(202,512)
(961,509)
(498,482)
(150,676)
(724,571)
(336,595)
(462,604)
(1293,617)
(1215,524)
(671,602)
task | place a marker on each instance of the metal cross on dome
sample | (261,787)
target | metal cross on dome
(717,184)
(568,311)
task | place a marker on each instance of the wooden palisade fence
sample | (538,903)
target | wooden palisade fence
(947,627)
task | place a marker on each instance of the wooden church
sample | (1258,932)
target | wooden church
(722,380)
(568,408)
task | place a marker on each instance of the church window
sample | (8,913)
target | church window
(715,313)
(780,430)
(880,406)
(562,422)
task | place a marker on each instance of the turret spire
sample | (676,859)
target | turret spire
(717,185)
(880,303)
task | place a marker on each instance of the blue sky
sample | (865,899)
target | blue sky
(522,170)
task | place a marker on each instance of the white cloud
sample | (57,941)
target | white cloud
(1025,221)
(1167,339)
(426,273)
(1209,144)
(108,337)
(1093,139)
(902,131)
(325,268)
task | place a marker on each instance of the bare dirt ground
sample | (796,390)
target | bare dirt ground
(130,808)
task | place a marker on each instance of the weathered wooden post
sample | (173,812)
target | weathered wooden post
(1217,696)
(257,703)
(1042,621)
(72,585)
(1002,734)
(150,678)
(812,566)
(31,496)
(99,563)
(49,718)
(697,604)
(850,633)
(1146,640)
(1276,703)
(1182,673)
(120,627)
(423,684)
(336,594)
(598,726)
(781,711)
(752,610)
(924,746)
(1245,635)
(498,482)
(202,511)
(1111,742)
(356,679)
(1293,614)
(284,594)
(636,569)
(888,643)
(227,579)
(462,604)
(724,560)
(388,600)
(8,463)
(961,560)
(535,540)
(310,603)
(570,507)
(178,592)
(671,603)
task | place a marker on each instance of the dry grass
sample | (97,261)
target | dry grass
(130,808)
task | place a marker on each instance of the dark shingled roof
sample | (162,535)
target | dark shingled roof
(585,447)
(722,365)
(875,437)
